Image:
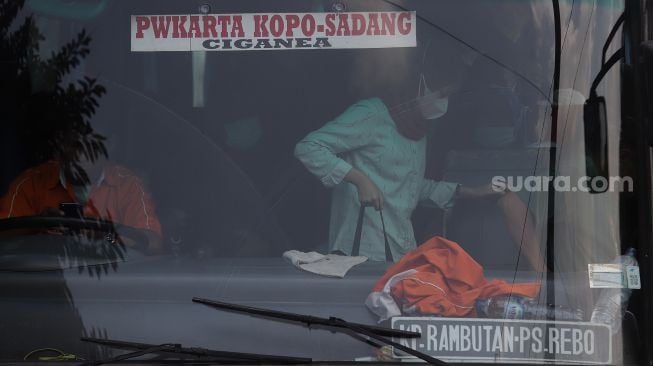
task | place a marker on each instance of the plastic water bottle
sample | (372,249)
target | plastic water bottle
(612,304)
(502,307)
(520,307)
(553,312)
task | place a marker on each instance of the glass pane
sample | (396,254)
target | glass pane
(397,171)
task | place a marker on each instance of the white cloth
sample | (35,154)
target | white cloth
(382,303)
(330,265)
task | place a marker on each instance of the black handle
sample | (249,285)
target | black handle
(355,250)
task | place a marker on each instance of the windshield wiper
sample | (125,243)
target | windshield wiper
(208,355)
(374,332)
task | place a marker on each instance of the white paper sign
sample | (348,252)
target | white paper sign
(632,277)
(613,276)
(272,31)
(507,340)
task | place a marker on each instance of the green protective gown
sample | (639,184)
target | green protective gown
(365,137)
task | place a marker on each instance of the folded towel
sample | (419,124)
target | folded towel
(331,265)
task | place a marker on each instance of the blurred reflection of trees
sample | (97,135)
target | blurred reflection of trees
(42,117)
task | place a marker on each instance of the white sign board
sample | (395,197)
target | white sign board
(613,276)
(272,31)
(503,340)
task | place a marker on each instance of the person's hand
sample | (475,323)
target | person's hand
(53,212)
(368,193)
(481,191)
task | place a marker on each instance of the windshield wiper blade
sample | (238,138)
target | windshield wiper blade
(374,332)
(214,355)
(307,319)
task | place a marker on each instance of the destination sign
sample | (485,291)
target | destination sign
(499,340)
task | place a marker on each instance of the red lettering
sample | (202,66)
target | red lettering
(260,26)
(373,26)
(210,29)
(276,25)
(160,26)
(195,27)
(178,30)
(405,25)
(388,23)
(142,23)
(330,25)
(237,29)
(357,24)
(292,22)
(224,21)
(308,25)
(343,25)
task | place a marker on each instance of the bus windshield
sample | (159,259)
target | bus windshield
(413,165)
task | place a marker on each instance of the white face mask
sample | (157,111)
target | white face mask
(429,104)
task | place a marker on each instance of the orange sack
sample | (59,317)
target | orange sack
(438,278)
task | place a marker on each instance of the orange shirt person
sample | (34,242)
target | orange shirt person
(112,193)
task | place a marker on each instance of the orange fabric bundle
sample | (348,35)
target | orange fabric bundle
(440,278)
